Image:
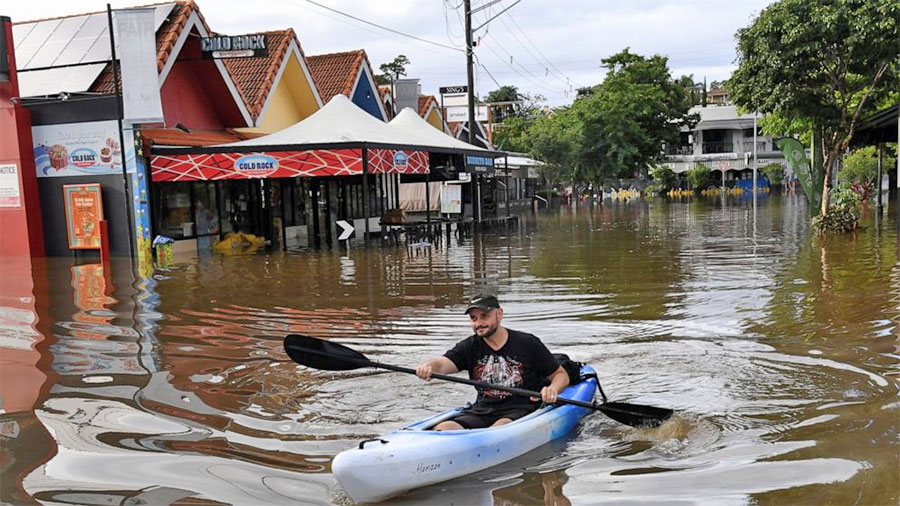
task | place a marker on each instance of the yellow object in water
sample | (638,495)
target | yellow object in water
(238,243)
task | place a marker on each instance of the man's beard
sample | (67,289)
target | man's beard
(491,330)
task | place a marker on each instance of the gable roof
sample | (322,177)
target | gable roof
(426,102)
(255,77)
(340,73)
(335,73)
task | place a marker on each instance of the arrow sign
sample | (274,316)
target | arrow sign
(347,230)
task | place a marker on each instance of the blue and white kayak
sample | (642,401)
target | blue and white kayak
(415,456)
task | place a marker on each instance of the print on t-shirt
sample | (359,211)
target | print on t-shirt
(498,370)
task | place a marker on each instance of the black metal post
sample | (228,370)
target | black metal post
(365,190)
(126,188)
(506,166)
(470,77)
(428,199)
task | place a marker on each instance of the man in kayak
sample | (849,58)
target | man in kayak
(500,356)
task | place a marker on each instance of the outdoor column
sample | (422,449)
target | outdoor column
(506,166)
(428,199)
(365,190)
(314,207)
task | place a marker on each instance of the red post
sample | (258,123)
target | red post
(104,242)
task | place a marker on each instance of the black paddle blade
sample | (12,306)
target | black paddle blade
(635,415)
(321,354)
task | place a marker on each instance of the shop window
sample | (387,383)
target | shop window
(175,210)
(206,211)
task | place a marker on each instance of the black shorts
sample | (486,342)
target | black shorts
(479,418)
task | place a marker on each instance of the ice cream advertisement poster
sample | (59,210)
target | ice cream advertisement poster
(80,149)
(84,210)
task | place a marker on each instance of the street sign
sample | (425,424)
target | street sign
(447,90)
(346,230)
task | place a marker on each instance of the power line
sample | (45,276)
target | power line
(536,59)
(445,46)
(538,49)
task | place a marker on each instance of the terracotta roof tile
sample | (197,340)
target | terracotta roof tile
(335,73)
(425,102)
(176,137)
(455,127)
(255,77)
(166,37)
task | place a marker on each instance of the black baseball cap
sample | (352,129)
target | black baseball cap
(483,302)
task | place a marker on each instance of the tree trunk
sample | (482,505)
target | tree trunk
(826,179)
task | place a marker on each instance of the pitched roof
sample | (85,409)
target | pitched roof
(425,102)
(166,37)
(255,77)
(335,73)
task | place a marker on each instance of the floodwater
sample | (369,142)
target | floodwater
(778,350)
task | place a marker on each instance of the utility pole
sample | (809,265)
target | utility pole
(470,77)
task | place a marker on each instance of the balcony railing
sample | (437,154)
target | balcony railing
(718,147)
(679,150)
(748,146)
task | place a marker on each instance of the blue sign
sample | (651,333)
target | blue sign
(400,159)
(480,163)
(256,165)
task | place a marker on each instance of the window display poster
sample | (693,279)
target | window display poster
(10,194)
(84,210)
(451,198)
(80,149)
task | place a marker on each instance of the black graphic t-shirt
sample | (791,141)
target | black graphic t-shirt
(523,362)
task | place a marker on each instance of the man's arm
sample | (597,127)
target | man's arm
(559,380)
(439,365)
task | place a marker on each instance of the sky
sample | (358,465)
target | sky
(543,47)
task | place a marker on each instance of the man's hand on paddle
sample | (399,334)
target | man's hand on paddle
(559,380)
(439,365)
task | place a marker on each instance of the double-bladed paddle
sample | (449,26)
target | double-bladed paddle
(329,356)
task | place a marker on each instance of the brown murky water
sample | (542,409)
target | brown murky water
(779,350)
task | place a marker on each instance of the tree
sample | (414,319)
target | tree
(822,64)
(629,116)
(522,104)
(512,134)
(555,141)
(698,177)
(860,171)
(391,71)
(664,178)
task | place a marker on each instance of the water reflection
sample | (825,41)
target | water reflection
(779,350)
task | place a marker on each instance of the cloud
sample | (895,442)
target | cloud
(543,47)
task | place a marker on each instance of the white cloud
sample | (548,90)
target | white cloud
(574,35)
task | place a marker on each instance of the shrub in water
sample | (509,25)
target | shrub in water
(842,215)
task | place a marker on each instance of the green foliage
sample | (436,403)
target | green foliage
(860,166)
(774,172)
(821,63)
(842,215)
(392,70)
(628,117)
(512,135)
(614,129)
(525,104)
(698,177)
(664,179)
(554,140)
